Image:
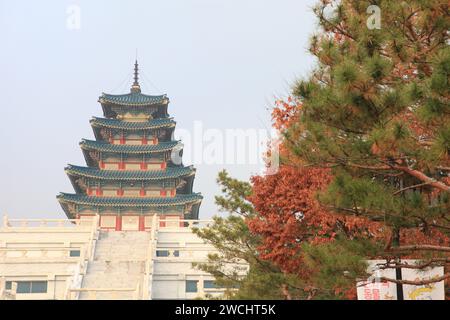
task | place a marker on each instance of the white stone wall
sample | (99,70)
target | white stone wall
(170,273)
(42,254)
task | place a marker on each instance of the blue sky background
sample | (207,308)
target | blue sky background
(221,62)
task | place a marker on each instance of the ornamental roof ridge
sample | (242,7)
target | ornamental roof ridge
(133,99)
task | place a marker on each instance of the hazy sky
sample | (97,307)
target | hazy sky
(221,62)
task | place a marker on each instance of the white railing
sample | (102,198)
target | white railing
(185,254)
(146,293)
(75,281)
(88,255)
(2,287)
(41,223)
(87,222)
(93,237)
(184,223)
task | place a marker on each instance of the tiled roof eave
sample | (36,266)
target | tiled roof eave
(132,149)
(129,202)
(130,175)
(122,125)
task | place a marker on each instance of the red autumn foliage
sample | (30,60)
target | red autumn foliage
(289,214)
(285,113)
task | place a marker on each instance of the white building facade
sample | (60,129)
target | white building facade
(76,259)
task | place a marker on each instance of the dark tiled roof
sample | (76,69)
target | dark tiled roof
(128,125)
(124,148)
(133,99)
(180,199)
(168,173)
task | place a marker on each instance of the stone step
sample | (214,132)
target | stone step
(124,235)
(124,247)
(123,241)
(114,250)
(108,295)
(106,282)
(113,277)
(111,280)
(142,238)
(119,266)
(110,256)
(107,253)
(119,262)
(121,258)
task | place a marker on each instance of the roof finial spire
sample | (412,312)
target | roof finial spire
(136,87)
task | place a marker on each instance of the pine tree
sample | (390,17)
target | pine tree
(376,111)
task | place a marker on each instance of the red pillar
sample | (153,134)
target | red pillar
(118,223)
(141,223)
(162,223)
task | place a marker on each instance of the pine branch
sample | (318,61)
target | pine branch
(423,177)
(336,28)
(412,172)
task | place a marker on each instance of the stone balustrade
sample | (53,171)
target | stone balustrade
(183,224)
(30,223)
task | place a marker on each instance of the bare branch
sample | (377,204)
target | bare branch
(411,187)
(432,262)
(417,282)
(420,247)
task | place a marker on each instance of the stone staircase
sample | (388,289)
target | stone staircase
(119,263)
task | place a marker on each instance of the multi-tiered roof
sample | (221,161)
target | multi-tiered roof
(132,167)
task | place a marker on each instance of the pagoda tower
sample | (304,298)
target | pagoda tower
(134,167)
